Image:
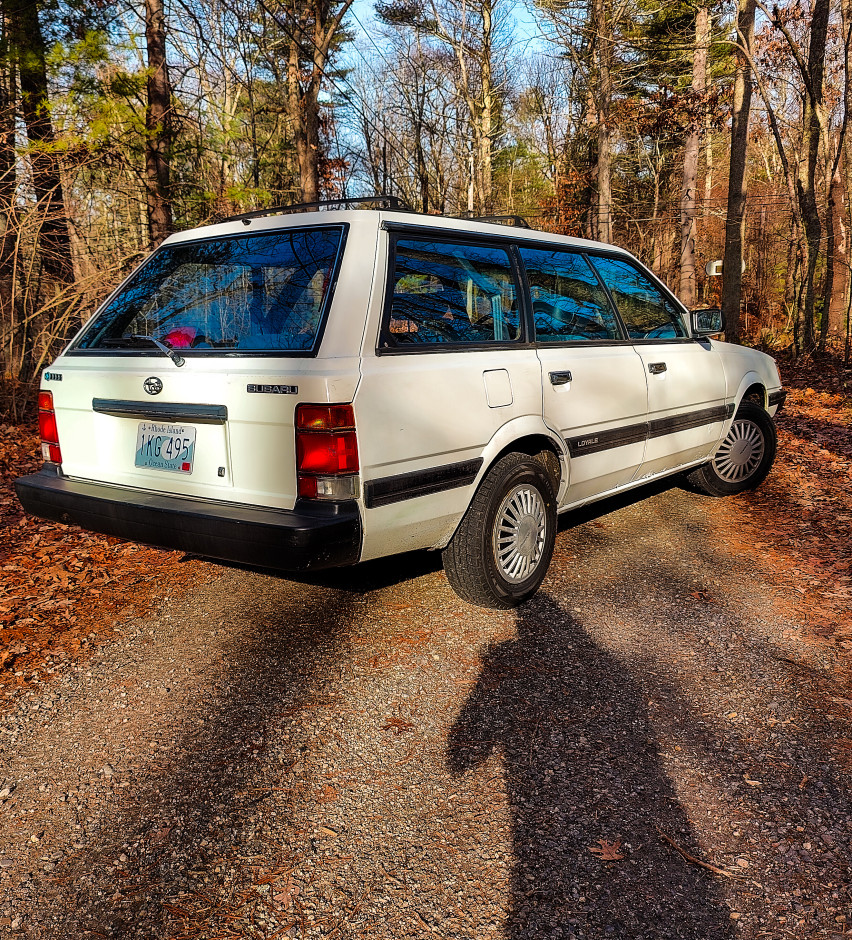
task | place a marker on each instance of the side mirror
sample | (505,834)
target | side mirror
(707,322)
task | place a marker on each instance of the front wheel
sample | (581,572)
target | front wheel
(744,458)
(502,548)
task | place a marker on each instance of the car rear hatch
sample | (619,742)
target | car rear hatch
(188,379)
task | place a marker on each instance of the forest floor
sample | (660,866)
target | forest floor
(658,745)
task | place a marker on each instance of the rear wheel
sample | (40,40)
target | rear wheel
(502,548)
(744,458)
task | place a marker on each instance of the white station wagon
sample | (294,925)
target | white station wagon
(304,390)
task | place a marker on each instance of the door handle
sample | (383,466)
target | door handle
(560,378)
(655,368)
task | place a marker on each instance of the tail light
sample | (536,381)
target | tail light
(326,452)
(47,428)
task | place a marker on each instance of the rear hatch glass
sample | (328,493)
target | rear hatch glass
(255,294)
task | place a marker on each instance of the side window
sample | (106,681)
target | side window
(569,305)
(646,311)
(450,294)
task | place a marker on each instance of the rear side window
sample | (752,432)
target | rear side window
(569,305)
(450,294)
(646,311)
(254,293)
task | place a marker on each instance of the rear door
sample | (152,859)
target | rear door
(593,382)
(685,378)
(452,367)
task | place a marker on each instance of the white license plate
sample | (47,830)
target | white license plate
(165,447)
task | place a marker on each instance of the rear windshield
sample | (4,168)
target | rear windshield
(249,294)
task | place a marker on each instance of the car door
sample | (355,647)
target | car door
(593,380)
(453,366)
(685,377)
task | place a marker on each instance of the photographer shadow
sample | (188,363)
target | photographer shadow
(581,765)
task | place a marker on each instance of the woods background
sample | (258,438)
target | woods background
(686,133)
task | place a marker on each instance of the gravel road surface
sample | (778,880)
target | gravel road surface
(654,747)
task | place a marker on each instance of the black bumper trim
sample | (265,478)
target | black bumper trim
(777,398)
(161,411)
(306,538)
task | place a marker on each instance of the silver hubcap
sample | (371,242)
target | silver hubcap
(519,532)
(740,453)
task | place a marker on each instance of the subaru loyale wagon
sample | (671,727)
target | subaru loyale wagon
(314,389)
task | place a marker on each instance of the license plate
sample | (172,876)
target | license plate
(165,447)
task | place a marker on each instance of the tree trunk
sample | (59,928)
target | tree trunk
(157,125)
(837,270)
(486,139)
(602,220)
(28,46)
(7,203)
(734,220)
(690,160)
(807,168)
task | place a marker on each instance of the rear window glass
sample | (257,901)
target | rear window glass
(254,293)
(451,294)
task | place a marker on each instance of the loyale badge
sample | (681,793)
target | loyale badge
(152,385)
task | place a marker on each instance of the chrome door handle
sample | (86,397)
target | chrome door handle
(560,378)
(655,368)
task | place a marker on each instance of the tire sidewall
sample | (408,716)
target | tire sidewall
(515,473)
(748,411)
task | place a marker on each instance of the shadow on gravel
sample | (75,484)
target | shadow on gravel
(163,862)
(388,572)
(580,767)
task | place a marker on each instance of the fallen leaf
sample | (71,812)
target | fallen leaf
(397,725)
(607,851)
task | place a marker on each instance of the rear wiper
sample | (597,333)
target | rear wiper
(176,359)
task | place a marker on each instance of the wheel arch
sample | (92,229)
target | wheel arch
(525,437)
(752,388)
(531,438)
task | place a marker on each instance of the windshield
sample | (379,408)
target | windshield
(253,293)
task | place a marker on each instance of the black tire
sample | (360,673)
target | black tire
(500,573)
(743,458)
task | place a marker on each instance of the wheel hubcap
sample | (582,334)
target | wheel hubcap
(740,453)
(519,533)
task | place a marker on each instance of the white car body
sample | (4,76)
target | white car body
(431,420)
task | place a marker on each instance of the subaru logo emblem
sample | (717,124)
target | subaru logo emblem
(153,385)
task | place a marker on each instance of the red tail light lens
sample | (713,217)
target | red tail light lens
(47,428)
(326,450)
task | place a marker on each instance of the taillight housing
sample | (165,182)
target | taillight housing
(47,429)
(326,451)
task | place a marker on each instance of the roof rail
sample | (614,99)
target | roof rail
(516,220)
(369,202)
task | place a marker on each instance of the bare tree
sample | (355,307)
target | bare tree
(734,220)
(690,158)
(157,125)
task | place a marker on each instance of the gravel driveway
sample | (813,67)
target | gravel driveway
(367,756)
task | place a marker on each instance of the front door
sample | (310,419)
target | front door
(685,377)
(594,389)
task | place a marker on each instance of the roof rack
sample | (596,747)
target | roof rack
(367,202)
(516,220)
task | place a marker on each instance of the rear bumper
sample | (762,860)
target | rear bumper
(318,536)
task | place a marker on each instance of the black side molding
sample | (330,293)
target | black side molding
(394,489)
(633,433)
(694,419)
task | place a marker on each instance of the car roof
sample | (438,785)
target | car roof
(373,219)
